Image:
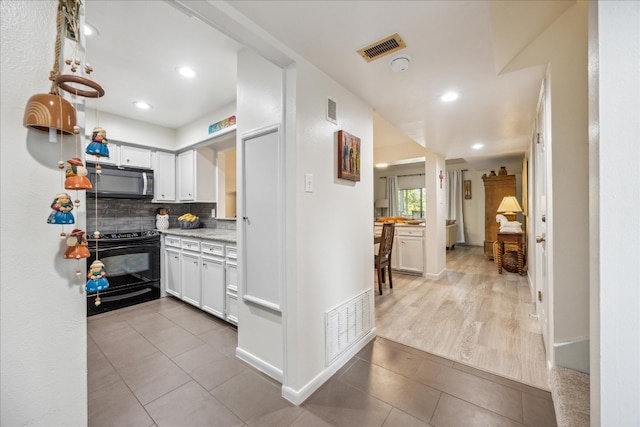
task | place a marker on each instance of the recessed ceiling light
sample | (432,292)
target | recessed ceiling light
(382,165)
(142,105)
(186,72)
(449,96)
(477,146)
(90,30)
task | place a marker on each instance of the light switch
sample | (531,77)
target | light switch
(308,183)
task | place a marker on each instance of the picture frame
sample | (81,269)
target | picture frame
(348,156)
(467,189)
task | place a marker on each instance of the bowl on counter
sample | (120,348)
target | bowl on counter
(189,224)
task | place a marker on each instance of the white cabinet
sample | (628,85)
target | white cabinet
(190,277)
(195,175)
(213,287)
(114,155)
(165,177)
(172,272)
(196,271)
(186,178)
(231,280)
(135,157)
(213,278)
(410,249)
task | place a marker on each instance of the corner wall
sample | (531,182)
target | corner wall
(563,45)
(614,84)
(43,305)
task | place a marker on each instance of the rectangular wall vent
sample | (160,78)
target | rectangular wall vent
(383,47)
(346,324)
(332,110)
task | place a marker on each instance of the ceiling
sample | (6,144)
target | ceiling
(466,46)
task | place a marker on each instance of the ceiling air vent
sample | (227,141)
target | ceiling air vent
(383,47)
(332,113)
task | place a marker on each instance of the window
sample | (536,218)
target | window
(412,202)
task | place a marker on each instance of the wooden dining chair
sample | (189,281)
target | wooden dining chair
(383,258)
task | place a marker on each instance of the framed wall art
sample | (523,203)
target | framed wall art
(348,156)
(467,189)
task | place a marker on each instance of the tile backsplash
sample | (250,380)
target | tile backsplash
(119,215)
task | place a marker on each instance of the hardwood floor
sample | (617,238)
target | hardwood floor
(472,315)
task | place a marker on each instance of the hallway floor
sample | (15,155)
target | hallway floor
(165,363)
(472,315)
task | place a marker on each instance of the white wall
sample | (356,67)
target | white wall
(614,84)
(563,45)
(198,130)
(330,258)
(43,305)
(259,103)
(124,130)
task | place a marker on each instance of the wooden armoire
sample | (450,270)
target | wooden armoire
(495,188)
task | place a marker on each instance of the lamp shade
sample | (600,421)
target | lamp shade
(382,203)
(46,111)
(509,205)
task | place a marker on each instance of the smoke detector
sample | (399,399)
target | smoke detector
(400,63)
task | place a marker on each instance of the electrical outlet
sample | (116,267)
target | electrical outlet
(213,213)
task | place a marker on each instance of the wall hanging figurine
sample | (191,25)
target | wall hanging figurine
(98,145)
(77,248)
(97,279)
(62,207)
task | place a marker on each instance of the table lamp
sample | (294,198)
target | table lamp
(509,207)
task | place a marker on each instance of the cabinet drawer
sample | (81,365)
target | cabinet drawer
(190,245)
(416,232)
(172,241)
(210,248)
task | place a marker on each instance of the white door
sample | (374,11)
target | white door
(540,222)
(262,217)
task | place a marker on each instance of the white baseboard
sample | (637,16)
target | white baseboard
(573,354)
(436,276)
(297,397)
(259,364)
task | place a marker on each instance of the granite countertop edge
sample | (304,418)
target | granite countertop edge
(204,233)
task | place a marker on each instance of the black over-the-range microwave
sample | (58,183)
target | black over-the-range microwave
(120,181)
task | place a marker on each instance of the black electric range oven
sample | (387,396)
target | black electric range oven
(132,264)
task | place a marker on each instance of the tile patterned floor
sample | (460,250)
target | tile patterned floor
(165,363)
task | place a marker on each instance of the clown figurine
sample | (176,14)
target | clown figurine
(76,175)
(77,245)
(62,207)
(97,277)
(98,145)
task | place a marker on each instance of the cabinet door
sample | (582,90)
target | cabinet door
(172,272)
(165,176)
(213,286)
(231,279)
(190,278)
(410,254)
(135,157)
(186,175)
(113,159)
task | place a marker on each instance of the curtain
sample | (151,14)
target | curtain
(392,195)
(454,186)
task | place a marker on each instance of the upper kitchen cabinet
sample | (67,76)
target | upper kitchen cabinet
(165,176)
(195,172)
(135,157)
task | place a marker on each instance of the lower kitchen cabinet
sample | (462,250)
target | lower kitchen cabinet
(172,272)
(232,285)
(213,286)
(202,272)
(410,249)
(190,278)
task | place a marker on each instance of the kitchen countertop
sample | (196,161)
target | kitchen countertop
(402,224)
(223,235)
